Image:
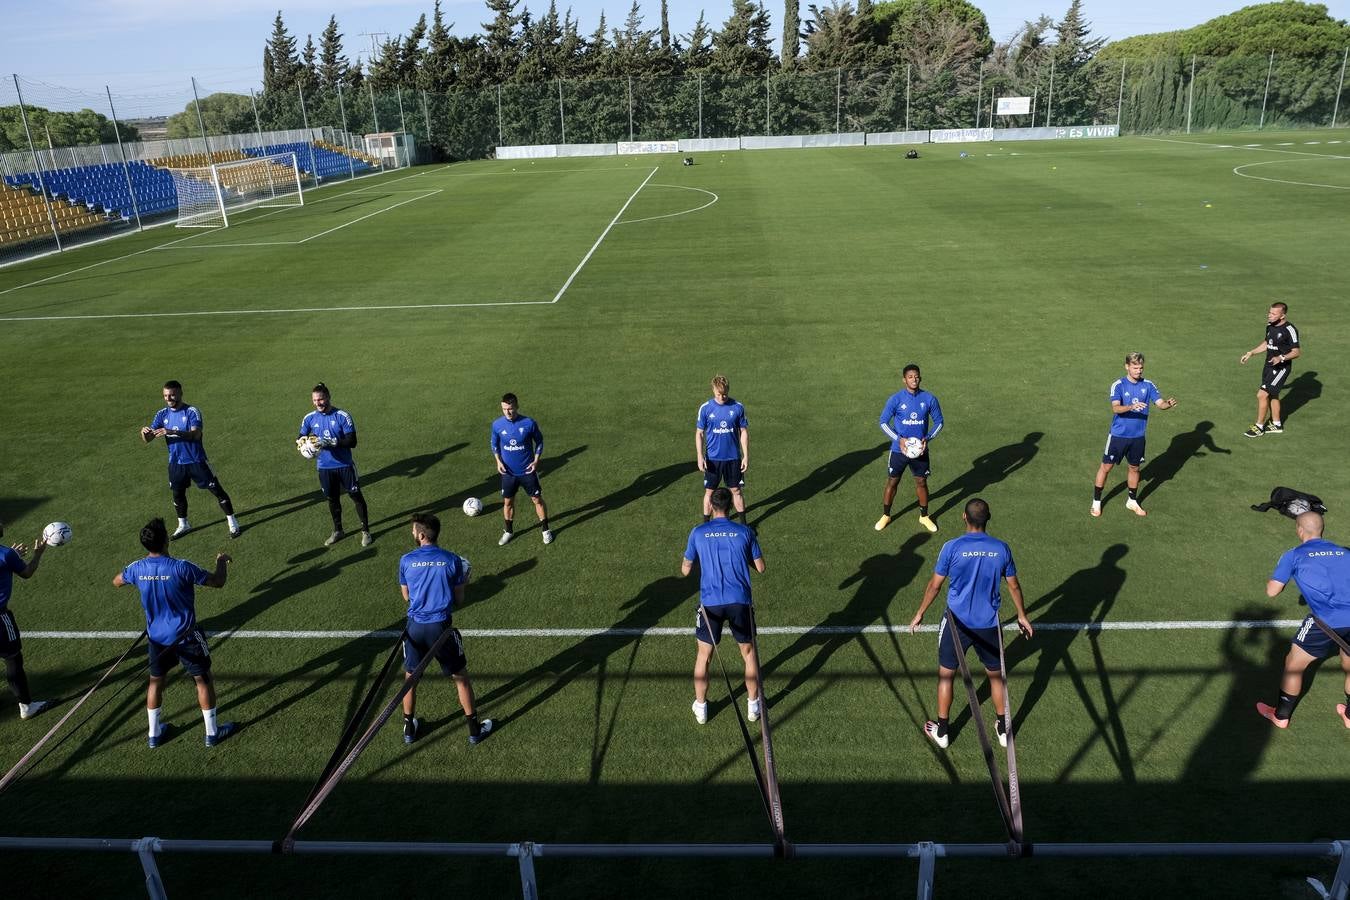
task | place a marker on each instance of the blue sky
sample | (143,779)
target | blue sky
(147,49)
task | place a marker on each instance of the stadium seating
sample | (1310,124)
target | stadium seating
(23,216)
(325,160)
(104,187)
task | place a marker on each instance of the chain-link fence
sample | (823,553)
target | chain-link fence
(75,170)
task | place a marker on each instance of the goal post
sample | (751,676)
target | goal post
(209,195)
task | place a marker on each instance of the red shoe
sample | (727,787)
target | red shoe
(1268,712)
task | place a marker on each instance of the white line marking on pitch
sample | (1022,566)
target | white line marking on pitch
(1090,627)
(589,253)
(1337,187)
(683,212)
(261,312)
(1249,146)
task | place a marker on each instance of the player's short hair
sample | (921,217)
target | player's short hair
(912,367)
(509,397)
(1281,306)
(155,536)
(172,385)
(1132,358)
(720,383)
(426,524)
(977,513)
(321,388)
(720,500)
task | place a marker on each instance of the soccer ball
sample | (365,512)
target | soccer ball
(56,534)
(473,506)
(912,447)
(308,446)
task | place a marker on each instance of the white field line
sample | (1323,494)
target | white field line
(589,253)
(824,630)
(543,171)
(1248,147)
(191,236)
(1336,187)
(264,312)
(683,212)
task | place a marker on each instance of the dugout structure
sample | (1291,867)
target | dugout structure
(208,195)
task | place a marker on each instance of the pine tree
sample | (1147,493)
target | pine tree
(698,46)
(742,46)
(332,64)
(792,39)
(308,77)
(438,72)
(501,42)
(665,27)
(285,63)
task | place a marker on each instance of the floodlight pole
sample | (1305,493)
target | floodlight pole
(257,122)
(1340,87)
(426,117)
(346,135)
(838,96)
(979,97)
(309,135)
(37,166)
(375,116)
(1120,98)
(562,121)
(402,122)
(1266,94)
(201,123)
(1035,92)
(117,131)
(1190,95)
(501,141)
(700,105)
(907,67)
(630,108)
(1050,97)
(768,129)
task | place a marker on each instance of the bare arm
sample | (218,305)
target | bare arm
(759,565)
(1015,589)
(118,581)
(1274,587)
(458,595)
(1252,352)
(1166,404)
(698,450)
(404,589)
(930,593)
(745,451)
(685,567)
(217,579)
(39,546)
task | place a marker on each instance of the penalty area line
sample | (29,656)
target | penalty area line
(824,630)
(263,312)
(612,222)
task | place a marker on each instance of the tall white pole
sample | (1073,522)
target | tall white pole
(501,141)
(1120,98)
(700,106)
(1337,108)
(979,95)
(201,123)
(1050,97)
(1190,96)
(630,108)
(839,96)
(767,128)
(1266,94)
(562,120)
(126,168)
(907,67)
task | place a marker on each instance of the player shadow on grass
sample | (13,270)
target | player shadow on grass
(410,467)
(590,654)
(488,487)
(1302,390)
(1086,596)
(648,484)
(1167,465)
(824,479)
(1253,658)
(986,470)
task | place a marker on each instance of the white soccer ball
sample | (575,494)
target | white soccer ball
(308,446)
(473,506)
(912,447)
(56,534)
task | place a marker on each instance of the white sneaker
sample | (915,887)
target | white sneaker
(180,531)
(548,537)
(1096,508)
(505,538)
(32,708)
(752,710)
(1002,735)
(700,712)
(1134,507)
(930,728)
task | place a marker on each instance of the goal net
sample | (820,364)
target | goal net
(209,195)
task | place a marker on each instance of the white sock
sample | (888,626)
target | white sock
(702,707)
(752,705)
(234,523)
(153,715)
(1275,423)
(182,522)
(23,709)
(209,717)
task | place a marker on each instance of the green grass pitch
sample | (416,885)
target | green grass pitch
(1017,277)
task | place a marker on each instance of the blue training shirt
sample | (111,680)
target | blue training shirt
(168,594)
(10,563)
(721,424)
(517,443)
(723,550)
(330,426)
(975,565)
(1321,570)
(908,415)
(1132,424)
(182,452)
(431,575)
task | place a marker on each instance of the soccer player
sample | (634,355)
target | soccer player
(181,427)
(1280,346)
(976,563)
(909,413)
(168,594)
(1321,570)
(724,551)
(11,642)
(1131,399)
(336,433)
(722,445)
(432,581)
(517,444)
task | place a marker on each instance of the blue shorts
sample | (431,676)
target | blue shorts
(899,462)
(422,635)
(985,641)
(334,481)
(198,473)
(1128,449)
(512,483)
(737,615)
(1315,642)
(191,651)
(723,471)
(11,644)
